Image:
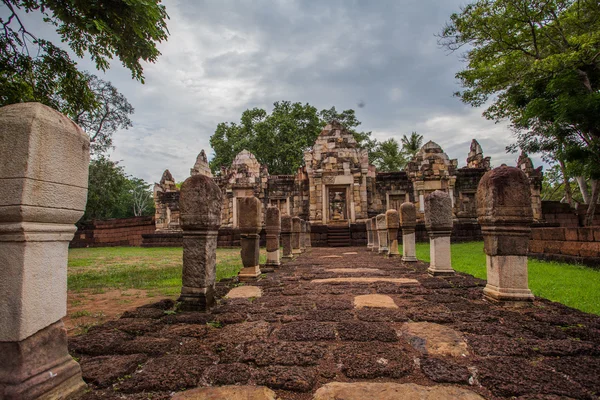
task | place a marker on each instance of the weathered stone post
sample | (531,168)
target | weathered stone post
(44,160)
(273,228)
(296,229)
(200,216)
(250,226)
(408,221)
(302,235)
(369,234)
(393,224)
(382,233)
(375,234)
(308,241)
(505,216)
(286,236)
(438,221)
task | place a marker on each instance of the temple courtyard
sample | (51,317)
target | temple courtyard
(342,323)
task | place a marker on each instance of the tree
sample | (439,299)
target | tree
(389,157)
(114,194)
(538,65)
(278,140)
(34,69)
(411,145)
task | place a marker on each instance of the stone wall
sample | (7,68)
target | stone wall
(573,245)
(114,232)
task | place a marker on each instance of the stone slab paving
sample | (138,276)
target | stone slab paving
(354,270)
(374,300)
(244,292)
(368,279)
(227,392)
(300,336)
(391,391)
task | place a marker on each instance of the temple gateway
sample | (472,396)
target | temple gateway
(337,189)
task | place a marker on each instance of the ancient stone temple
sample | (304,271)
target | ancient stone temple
(535,184)
(337,190)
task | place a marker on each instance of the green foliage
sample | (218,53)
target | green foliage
(113,194)
(388,156)
(34,69)
(573,285)
(278,140)
(411,144)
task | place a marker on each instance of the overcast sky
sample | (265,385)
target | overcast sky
(223,57)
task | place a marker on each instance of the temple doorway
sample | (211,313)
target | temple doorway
(338,204)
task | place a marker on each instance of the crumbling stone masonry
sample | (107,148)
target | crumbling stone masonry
(44,160)
(505,216)
(438,221)
(200,220)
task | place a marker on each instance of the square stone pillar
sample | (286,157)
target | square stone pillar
(375,234)
(296,230)
(250,226)
(382,233)
(302,235)
(505,215)
(408,221)
(308,240)
(200,202)
(393,224)
(273,228)
(438,221)
(369,234)
(286,237)
(44,161)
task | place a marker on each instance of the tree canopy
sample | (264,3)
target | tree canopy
(279,139)
(538,65)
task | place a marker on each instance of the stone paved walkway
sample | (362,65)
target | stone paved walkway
(306,329)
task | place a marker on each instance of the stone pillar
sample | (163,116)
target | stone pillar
(393,224)
(44,160)
(382,233)
(505,215)
(375,234)
(286,236)
(408,221)
(273,228)
(438,221)
(307,242)
(200,215)
(250,226)
(302,235)
(296,229)
(369,234)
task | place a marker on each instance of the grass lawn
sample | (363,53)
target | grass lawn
(573,285)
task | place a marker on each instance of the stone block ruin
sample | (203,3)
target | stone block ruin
(336,191)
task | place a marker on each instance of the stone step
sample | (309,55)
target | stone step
(391,391)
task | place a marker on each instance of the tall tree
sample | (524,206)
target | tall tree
(538,64)
(411,144)
(35,69)
(389,156)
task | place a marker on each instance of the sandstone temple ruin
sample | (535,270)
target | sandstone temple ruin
(337,190)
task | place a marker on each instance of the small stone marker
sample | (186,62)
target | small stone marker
(296,230)
(505,216)
(438,221)
(408,221)
(200,209)
(391,391)
(382,233)
(244,292)
(434,339)
(393,224)
(302,235)
(250,225)
(308,240)
(375,234)
(248,392)
(273,229)
(374,300)
(369,234)
(44,161)
(286,237)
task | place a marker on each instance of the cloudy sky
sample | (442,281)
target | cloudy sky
(223,57)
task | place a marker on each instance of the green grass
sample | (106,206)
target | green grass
(154,269)
(573,285)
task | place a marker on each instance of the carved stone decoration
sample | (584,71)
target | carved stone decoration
(535,177)
(438,221)
(505,215)
(201,166)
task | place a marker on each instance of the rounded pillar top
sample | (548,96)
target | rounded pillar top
(438,211)
(392,219)
(273,218)
(286,223)
(250,214)
(380,221)
(408,215)
(200,203)
(504,197)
